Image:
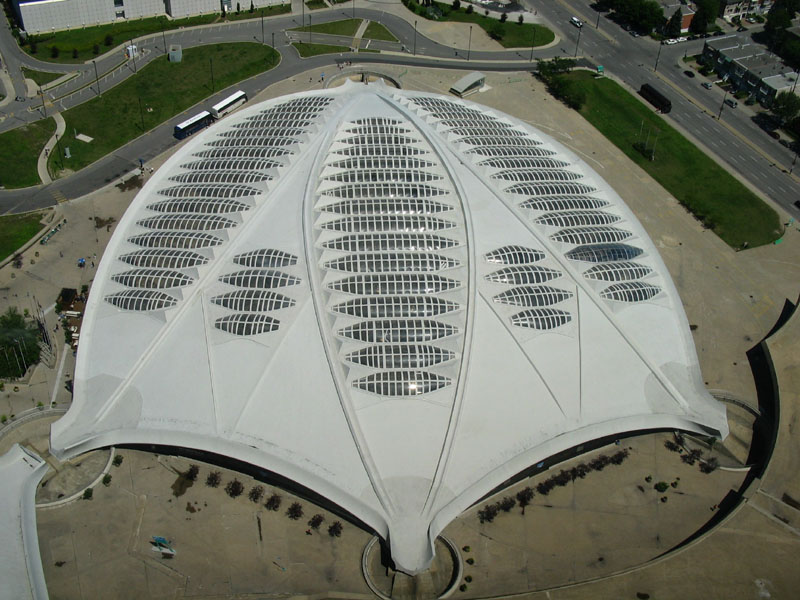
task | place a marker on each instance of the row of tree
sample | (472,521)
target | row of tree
(779,40)
(646,16)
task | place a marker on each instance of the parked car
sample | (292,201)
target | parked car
(680,39)
(670,42)
(633,33)
(731,102)
(689,73)
(774,135)
(576,21)
(708,85)
(740,28)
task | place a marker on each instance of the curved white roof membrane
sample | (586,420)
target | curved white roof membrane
(397,299)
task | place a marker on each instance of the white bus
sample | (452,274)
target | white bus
(225,106)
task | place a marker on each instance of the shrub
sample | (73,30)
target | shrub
(234,488)
(466,548)
(96,49)
(661,486)
(106,480)
(87,494)
(488,513)
(54,51)
(456,4)
(520,20)
(108,40)
(3,418)
(117,460)
(335,530)
(273,502)
(709,466)
(470,9)
(74,53)
(524,497)
(316,521)
(256,493)
(470,561)
(619,457)
(463,587)
(507,503)
(503,18)
(671,446)
(295,511)
(468,578)
(191,474)
(214,479)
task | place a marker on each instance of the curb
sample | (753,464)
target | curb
(79,494)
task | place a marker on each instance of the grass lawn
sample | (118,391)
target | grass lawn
(712,194)
(306,50)
(40,77)
(16,230)
(316,4)
(19,153)
(345,27)
(267,11)
(165,89)
(508,34)
(84,40)
(376,31)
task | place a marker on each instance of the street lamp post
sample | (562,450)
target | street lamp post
(44,108)
(211,68)
(533,42)
(96,77)
(262,25)
(60,152)
(133,56)
(164,39)
(597,25)
(354,9)
(415,35)
(469,43)
(273,49)
(578,41)
(657,57)
(722,105)
(141,112)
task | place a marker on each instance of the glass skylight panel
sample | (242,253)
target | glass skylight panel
(209,191)
(391,262)
(488,129)
(379,140)
(267,129)
(533,295)
(175,239)
(395,307)
(392,242)
(235,164)
(591,235)
(243,153)
(275,121)
(228,176)
(601,253)
(523,274)
(377,121)
(383,176)
(514,255)
(397,331)
(385,190)
(187,222)
(154,279)
(630,291)
(394,283)
(378,130)
(208,206)
(618,271)
(497,140)
(411,223)
(557,203)
(253,300)
(164,258)
(550,189)
(401,383)
(523,163)
(498,150)
(541,318)
(410,356)
(255,140)
(141,300)
(247,324)
(380,150)
(259,279)
(576,218)
(382,162)
(389,206)
(264,257)
(472,121)
(537,175)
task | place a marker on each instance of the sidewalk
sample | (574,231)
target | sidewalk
(41,166)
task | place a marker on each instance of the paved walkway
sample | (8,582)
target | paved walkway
(41,165)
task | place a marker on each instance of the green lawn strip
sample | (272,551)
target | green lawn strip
(267,11)
(19,153)
(345,27)
(376,31)
(307,50)
(16,230)
(84,40)
(508,34)
(165,89)
(316,4)
(712,194)
(40,77)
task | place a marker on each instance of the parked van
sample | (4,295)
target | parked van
(576,21)
(731,102)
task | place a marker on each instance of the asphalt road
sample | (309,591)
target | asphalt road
(735,138)
(749,152)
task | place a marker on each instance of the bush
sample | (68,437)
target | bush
(54,51)
(507,503)
(503,18)
(463,587)
(470,561)
(488,513)
(316,521)
(3,418)
(709,466)
(96,49)
(273,502)
(468,578)
(520,20)
(106,480)
(661,487)
(524,497)
(87,494)
(117,460)
(456,4)
(256,493)
(335,530)
(295,511)
(214,479)
(191,474)
(234,488)
(108,40)
(470,10)
(74,53)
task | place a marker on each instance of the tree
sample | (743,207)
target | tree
(507,503)
(54,51)
(469,11)
(520,19)
(786,106)
(191,474)
(335,530)
(252,6)
(33,47)
(238,8)
(19,344)
(295,511)
(503,18)
(214,479)
(524,497)
(706,14)
(96,49)
(256,493)
(234,488)
(108,40)
(456,4)
(316,521)
(74,53)
(273,502)
(673,28)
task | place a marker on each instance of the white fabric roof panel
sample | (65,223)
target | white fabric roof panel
(428,336)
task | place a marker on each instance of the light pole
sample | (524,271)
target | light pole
(141,112)
(415,34)
(533,42)
(274,52)
(597,25)
(469,43)
(60,153)
(163,38)
(44,108)
(657,57)
(96,77)
(578,41)
(310,33)
(211,68)
(262,25)
(354,9)
(133,56)
(722,105)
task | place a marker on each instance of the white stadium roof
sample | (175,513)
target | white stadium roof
(397,299)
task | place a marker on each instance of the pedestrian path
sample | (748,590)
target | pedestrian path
(41,166)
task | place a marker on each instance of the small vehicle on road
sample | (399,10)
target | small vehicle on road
(576,21)
(670,42)
(688,73)
(708,85)
(731,102)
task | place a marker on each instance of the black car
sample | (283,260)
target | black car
(689,73)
